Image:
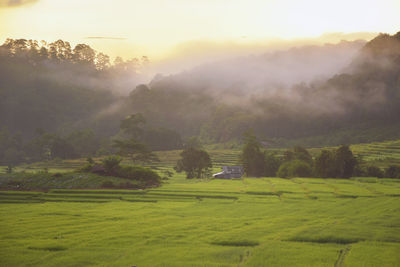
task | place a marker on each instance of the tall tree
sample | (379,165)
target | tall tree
(252,158)
(345,162)
(324,165)
(137,151)
(272,164)
(195,162)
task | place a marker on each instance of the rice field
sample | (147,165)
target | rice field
(248,222)
(243,222)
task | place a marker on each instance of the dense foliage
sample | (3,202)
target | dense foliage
(195,161)
(359,104)
(294,168)
(298,162)
(252,158)
(111,166)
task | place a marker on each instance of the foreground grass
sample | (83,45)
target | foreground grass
(250,222)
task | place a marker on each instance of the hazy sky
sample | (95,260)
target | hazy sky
(154,27)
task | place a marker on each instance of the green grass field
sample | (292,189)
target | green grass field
(249,222)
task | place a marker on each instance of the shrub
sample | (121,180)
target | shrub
(126,185)
(86,168)
(107,184)
(294,168)
(139,173)
(111,163)
(90,160)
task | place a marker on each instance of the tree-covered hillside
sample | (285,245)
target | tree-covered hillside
(358,104)
(282,96)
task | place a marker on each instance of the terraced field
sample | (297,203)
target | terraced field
(249,222)
(381,154)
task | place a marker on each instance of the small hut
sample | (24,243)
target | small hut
(230,172)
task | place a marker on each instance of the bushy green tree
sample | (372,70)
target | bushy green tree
(111,163)
(298,153)
(392,171)
(324,165)
(271,165)
(345,162)
(294,168)
(373,171)
(137,151)
(340,163)
(195,162)
(252,157)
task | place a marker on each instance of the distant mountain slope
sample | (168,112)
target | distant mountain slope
(312,95)
(220,101)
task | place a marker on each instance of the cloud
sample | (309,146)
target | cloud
(106,38)
(16,3)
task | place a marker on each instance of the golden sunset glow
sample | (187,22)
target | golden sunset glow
(154,27)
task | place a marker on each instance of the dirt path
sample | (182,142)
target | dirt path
(342,255)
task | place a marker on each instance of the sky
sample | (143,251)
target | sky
(160,28)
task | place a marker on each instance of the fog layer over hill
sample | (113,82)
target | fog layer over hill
(266,73)
(329,94)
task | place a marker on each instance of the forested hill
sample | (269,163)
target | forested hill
(359,103)
(54,87)
(313,95)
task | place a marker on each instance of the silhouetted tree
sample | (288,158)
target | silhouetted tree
(84,54)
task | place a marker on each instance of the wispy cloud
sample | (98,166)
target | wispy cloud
(16,3)
(105,37)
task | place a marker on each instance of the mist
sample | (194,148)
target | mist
(286,93)
(273,76)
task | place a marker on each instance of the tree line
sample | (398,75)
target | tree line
(298,162)
(134,140)
(295,162)
(40,52)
